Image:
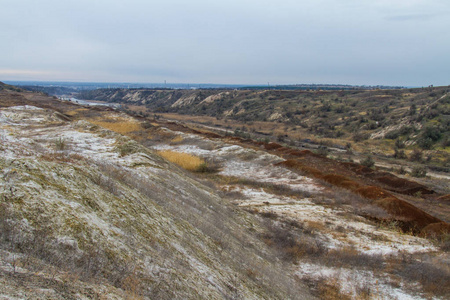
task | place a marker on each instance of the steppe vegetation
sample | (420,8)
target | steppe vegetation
(184,160)
(334,235)
(105,217)
(92,206)
(406,128)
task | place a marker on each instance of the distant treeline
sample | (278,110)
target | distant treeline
(68,88)
(51,90)
(327,87)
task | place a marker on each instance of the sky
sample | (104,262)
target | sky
(361,42)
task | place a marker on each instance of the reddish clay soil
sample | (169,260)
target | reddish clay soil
(370,184)
(359,173)
(445,198)
(408,217)
(272,146)
(373,193)
(436,230)
(411,218)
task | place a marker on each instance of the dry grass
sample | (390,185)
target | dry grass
(273,188)
(330,289)
(186,161)
(76,111)
(316,226)
(176,140)
(122,126)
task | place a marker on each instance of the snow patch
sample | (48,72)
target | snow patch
(352,281)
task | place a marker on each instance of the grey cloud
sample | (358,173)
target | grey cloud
(412,17)
(244,41)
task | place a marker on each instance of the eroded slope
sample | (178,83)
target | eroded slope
(85,207)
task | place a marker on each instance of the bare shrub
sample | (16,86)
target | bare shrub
(93,262)
(329,288)
(292,247)
(368,162)
(132,285)
(274,188)
(359,136)
(269,215)
(418,171)
(109,184)
(360,204)
(444,242)
(126,149)
(234,195)
(7,223)
(209,166)
(322,150)
(350,257)
(60,144)
(416,155)
(401,170)
(434,279)
(109,170)
(399,154)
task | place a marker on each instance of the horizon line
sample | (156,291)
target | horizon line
(199,84)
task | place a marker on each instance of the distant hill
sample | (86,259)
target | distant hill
(420,115)
(51,90)
(4,86)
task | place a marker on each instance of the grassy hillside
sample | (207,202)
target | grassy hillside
(409,124)
(96,203)
(87,212)
(7,87)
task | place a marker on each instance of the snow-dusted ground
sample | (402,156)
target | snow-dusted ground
(352,282)
(338,229)
(331,224)
(68,174)
(258,166)
(14,128)
(249,164)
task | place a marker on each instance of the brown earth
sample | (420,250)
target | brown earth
(436,230)
(409,217)
(412,218)
(341,181)
(444,198)
(360,173)
(272,146)
(373,193)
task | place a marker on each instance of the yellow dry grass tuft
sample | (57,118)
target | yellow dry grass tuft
(177,139)
(184,160)
(76,111)
(119,126)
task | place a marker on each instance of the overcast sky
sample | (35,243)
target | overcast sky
(390,42)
